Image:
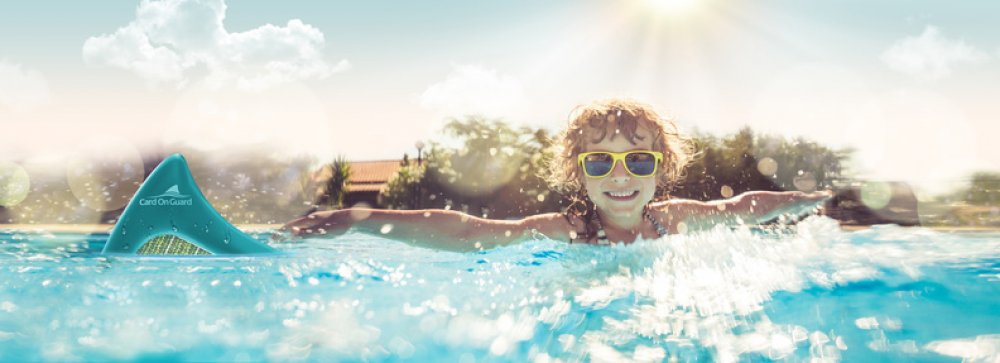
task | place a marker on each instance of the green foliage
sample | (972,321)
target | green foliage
(743,161)
(401,191)
(492,172)
(984,189)
(336,186)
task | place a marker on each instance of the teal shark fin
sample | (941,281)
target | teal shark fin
(169,216)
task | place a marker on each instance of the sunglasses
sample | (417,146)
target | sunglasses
(639,163)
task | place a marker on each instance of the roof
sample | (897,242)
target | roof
(367,176)
(373,171)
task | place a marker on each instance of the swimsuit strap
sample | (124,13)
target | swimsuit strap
(660,229)
(602,237)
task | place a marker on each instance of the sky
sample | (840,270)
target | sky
(910,85)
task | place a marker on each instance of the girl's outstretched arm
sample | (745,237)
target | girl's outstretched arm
(749,208)
(434,228)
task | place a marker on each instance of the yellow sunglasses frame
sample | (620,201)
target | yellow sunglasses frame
(615,157)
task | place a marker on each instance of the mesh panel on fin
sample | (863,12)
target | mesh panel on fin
(168,244)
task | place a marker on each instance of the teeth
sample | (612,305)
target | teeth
(620,194)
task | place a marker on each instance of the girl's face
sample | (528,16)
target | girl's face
(620,193)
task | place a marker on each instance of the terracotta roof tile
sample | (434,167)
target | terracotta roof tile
(374,187)
(371,175)
(373,171)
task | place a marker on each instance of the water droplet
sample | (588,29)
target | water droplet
(876,195)
(767,166)
(726,191)
(682,228)
(805,182)
(126,246)
(228,237)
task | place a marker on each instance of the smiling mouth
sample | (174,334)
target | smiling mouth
(622,196)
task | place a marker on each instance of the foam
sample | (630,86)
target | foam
(982,348)
(712,286)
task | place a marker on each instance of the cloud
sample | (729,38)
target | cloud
(176,41)
(930,56)
(21,89)
(475,90)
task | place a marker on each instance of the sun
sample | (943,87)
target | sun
(673,6)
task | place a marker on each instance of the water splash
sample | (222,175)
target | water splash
(721,295)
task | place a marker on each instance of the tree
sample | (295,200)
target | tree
(401,192)
(493,171)
(747,161)
(335,187)
(984,189)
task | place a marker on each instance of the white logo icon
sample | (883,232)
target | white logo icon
(172,196)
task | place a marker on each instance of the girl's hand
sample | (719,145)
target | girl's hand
(811,202)
(822,194)
(314,223)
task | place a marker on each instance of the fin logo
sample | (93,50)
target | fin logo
(172,197)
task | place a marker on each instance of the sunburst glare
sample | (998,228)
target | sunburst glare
(672,7)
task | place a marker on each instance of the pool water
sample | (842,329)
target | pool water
(816,292)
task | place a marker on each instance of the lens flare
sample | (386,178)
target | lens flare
(767,166)
(674,6)
(14,184)
(104,177)
(876,195)
(484,174)
(726,191)
(361,211)
(805,182)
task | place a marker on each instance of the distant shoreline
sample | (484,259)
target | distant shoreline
(106,228)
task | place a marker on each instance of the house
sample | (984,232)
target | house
(368,179)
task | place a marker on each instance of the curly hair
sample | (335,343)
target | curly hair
(593,122)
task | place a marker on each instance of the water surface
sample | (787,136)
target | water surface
(886,293)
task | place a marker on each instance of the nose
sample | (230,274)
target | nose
(619,174)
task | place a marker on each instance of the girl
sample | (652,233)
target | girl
(613,156)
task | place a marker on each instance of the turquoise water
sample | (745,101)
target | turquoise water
(888,293)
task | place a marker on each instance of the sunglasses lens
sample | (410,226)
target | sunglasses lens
(642,164)
(597,164)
